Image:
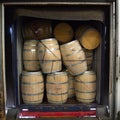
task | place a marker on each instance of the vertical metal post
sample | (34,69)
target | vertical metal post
(2,65)
(117,90)
(1,83)
(112,61)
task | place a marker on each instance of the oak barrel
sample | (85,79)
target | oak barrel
(63,32)
(49,55)
(32,87)
(71,90)
(30,56)
(57,87)
(85,87)
(74,57)
(36,29)
(88,36)
(89,58)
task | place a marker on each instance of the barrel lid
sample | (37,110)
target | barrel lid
(57,73)
(31,73)
(89,72)
(69,43)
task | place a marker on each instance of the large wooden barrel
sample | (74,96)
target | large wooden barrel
(85,87)
(74,57)
(49,55)
(32,87)
(88,36)
(36,29)
(30,56)
(57,87)
(63,32)
(71,88)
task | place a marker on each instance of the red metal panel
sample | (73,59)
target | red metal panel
(28,114)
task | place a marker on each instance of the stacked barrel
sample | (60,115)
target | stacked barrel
(59,62)
(2,105)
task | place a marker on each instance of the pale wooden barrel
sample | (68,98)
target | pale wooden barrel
(57,87)
(85,87)
(71,88)
(49,55)
(88,36)
(89,58)
(32,87)
(30,65)
(36,29)
(63,32)
(74,57)
(30,56)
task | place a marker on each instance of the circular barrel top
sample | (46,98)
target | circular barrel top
(63,32)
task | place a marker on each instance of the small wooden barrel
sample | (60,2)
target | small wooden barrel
(32,87)
(63,32)
(49,55)
(74,57)
(71,90)
(89,58)
(57,87)
(30,56)
(2,114)
(36,29)
(88,36)
(85,87)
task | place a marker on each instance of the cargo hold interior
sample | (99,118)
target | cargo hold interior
(97,16)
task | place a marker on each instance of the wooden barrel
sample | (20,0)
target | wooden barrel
(71,88)
(85,87)
(2,114)
(74,57)
(36,29)
(89,58)
(1,98)
(63,32)
(57,87)
(30,65)
(49,55)
(30,56)
(88,36)
(32,87)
